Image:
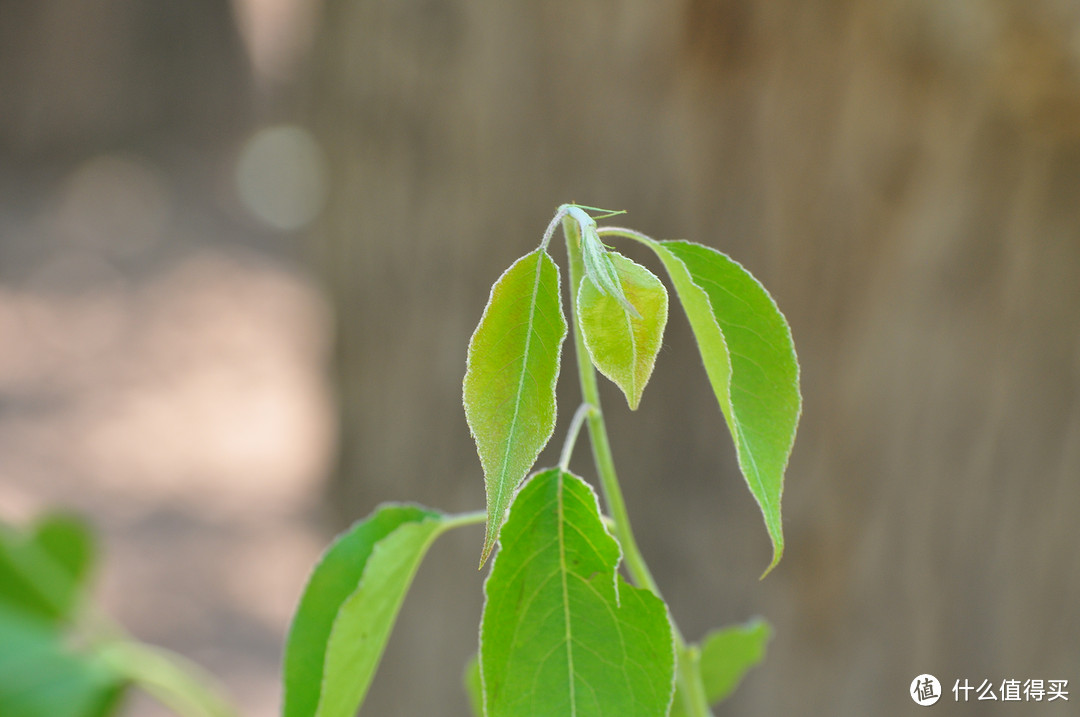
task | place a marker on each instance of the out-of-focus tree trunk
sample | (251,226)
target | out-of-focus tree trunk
(78,77)
(902,175)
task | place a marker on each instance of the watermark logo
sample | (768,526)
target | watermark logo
(925,690)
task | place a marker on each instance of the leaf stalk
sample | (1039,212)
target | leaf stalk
(571,435)
(601,447)
(688,676)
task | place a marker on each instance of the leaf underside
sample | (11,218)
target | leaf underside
(509,386)
(562,633)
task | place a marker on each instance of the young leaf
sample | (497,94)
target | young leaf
(509,387)
(624,347)
(348,609)
(749,357)
(726,656)
(562,632)
(600,269)
(595,257)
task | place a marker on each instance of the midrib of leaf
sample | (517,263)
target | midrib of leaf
(633,351)
(741,450)
(553,524)
(744,455)
(521,380)
(693,290)
(563,570)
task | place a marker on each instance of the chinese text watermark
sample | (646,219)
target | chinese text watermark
(925,690)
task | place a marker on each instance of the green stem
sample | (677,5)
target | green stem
(691,689)
(590,393)
(461,519)
(580,415)
(174,682)
(688,676)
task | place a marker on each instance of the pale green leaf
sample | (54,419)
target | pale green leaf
(622,346)
(600,269)
(562,632)
(348,609)
(726,655)
(749,357)
(594,255)
(509,386)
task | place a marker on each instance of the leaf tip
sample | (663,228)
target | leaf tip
(491,536)
(778,552)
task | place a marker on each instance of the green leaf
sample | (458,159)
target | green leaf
(42,676)
(69,541)
(749,357)
(726,655)
(562,632)
(624,347)
(473,687)
(348,609)
(729,653)
(509,387)
(43,569)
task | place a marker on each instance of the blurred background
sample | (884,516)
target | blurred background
(243,246)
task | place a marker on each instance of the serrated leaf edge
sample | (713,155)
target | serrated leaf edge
(726,405)
(630,330)
(615,583)
(491,536)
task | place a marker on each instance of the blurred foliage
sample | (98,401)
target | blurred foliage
(46,667)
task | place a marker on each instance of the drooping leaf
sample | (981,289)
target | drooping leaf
(749,357)
(562,632)
(624,347)
(509,386)
(473,688)
(348,609)
(726,656)
(41,675)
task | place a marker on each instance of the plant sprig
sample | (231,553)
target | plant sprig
(562,632)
